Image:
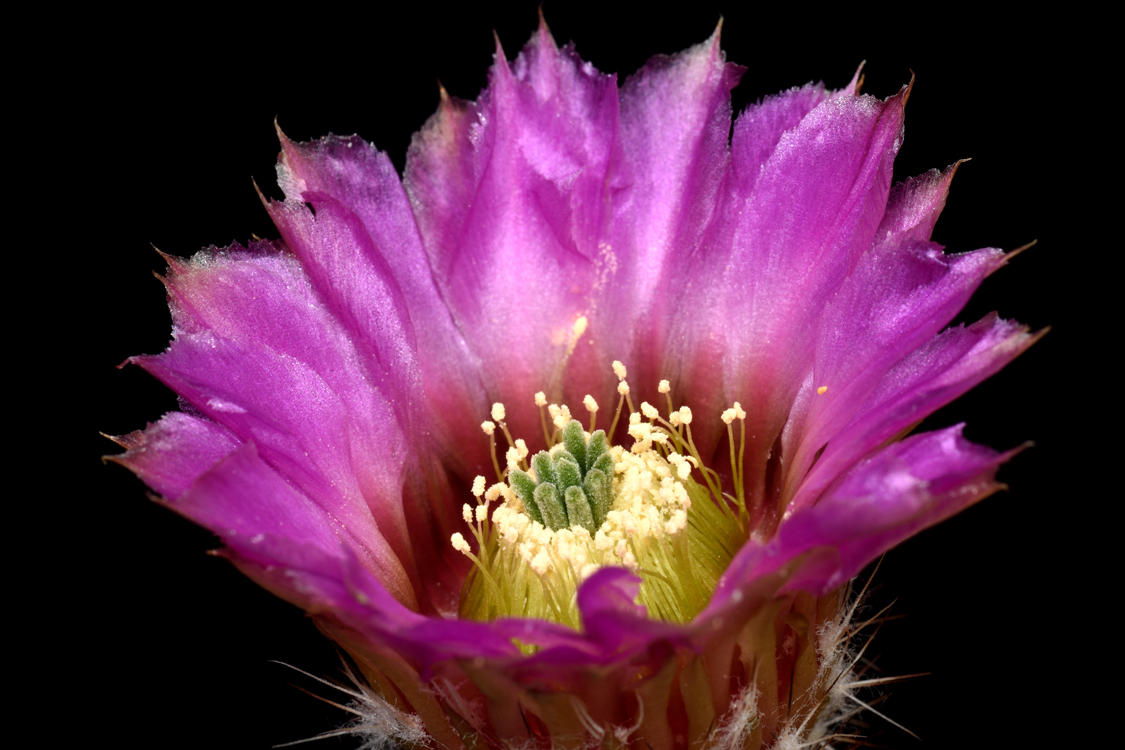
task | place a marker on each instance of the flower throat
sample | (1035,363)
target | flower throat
(584,504)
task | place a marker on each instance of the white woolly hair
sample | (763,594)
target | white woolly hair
(378,724)
(837,678)
(742,718)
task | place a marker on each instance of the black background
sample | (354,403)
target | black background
(151,129)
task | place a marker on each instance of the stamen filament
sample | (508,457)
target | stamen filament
(739,482)
(541,401)
(616,416)
(508,435)
(709,475)
(489,429)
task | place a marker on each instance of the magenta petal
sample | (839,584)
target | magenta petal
(930,377)
(509,196)
(914,206)
(360,278)
(306,404)
(759,129)
(612,618)
(675,125)
(256,512)
(907,487)
(787,235)
(263,520)
(248,314)
(170,454)
(362,299)
(897,299)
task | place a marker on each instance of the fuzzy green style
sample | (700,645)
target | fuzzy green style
(573,486)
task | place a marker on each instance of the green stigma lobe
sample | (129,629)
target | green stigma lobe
(572,486)
(550,507)
(524,486)
(575,440)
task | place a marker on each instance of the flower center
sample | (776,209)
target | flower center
(584,504)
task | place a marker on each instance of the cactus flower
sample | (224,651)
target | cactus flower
(577,432)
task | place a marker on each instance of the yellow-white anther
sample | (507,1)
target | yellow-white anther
(677,523)
(482,512)
(521,448)
(682,465)
(822,390)
(674,419)
(488,427)
(623,388)
(541,563)
(478,486)
(644,435)
(634,418)
(467,513)
(459,543)
(649,410)
(498,411)
(685,415)
(590,404)
(738,411)
(494,492)
(540,399)
(664,387)
(619,369)
(560,415)
(512,457)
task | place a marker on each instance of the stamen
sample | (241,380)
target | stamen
(623,389)
(459,542)
(822,390)
(490,429)
(498,414)
(736,467)
(592,407)
(560,416)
